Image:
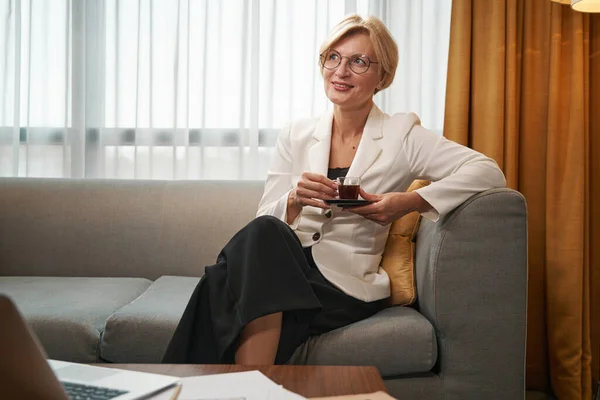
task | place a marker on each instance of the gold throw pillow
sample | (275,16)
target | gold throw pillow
(399,255)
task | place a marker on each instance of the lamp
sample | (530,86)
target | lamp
(590,6)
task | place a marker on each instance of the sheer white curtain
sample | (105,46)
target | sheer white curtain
(186,89)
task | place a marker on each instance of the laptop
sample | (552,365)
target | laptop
(26,374)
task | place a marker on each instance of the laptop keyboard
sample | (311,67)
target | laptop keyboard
(77,391)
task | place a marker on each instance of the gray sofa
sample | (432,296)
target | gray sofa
(102,270)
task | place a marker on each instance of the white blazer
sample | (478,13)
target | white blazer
(394,151)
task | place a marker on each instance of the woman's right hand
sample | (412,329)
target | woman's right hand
(311,190)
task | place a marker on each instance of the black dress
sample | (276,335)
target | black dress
(262,270)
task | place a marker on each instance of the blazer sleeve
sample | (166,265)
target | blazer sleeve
(457,172)
(279,180)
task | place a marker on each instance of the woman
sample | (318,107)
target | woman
(303,268)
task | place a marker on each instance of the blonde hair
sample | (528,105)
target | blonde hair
(386,49)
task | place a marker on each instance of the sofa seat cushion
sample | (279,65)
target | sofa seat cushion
(141,331)
(397,340)
(68,314)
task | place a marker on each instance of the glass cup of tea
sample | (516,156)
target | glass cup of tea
(348,187)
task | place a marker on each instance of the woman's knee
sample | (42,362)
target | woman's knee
(266,225)
(267,222)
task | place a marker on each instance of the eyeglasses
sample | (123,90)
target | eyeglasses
(358,63)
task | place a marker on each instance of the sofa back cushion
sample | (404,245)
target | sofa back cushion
(117,228)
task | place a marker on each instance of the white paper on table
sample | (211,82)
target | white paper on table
(250,385)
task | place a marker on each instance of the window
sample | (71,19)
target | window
(187,89)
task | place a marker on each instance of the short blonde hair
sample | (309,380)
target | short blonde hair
(386,49)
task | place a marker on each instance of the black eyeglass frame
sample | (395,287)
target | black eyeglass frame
(326,52)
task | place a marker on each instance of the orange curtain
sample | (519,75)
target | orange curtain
(524,87)
(593,260)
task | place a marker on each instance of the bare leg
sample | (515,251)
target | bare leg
(259,341)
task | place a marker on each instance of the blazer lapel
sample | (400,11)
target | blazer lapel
(368,148)
(319,152)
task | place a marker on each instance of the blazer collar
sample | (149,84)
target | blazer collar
(368,148)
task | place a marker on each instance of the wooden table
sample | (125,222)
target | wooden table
(306,380)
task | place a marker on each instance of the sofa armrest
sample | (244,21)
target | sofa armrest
(472,286)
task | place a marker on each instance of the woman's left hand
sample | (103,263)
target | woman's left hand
(388,207)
